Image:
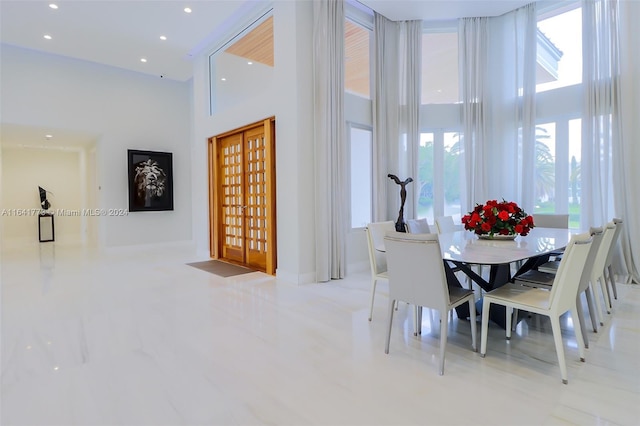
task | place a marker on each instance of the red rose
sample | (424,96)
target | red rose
(486,227)
(519,229)
(503,215)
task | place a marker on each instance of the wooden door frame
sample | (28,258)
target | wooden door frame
(214,203)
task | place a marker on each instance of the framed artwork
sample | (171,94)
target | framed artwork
(150,180)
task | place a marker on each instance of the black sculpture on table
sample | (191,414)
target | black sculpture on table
(46,227)
(400,227)
(44,203)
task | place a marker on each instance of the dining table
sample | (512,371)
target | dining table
(461,250)
(465,249)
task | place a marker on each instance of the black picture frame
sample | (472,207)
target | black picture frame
(150,180)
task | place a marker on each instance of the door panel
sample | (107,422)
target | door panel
(255,212)
(231,198)
(242,177)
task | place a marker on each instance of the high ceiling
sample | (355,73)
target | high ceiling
(442,10)
(122,32)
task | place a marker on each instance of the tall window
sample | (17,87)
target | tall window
(564,32)
(439,155)
(360,142)
(439,160)
(358,39)
(426,176)
(545,168)
(558,130)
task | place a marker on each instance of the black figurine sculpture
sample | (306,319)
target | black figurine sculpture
(44,203)
(403,196)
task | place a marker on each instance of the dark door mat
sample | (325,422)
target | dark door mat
(222,269)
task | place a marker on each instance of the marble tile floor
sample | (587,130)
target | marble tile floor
(136,337)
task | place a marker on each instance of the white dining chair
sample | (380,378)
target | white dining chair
(418,226)
(560,221)
(545,274)
(551,303)
(608,264)
(417,276)
(548,220)
(377,256)
(446,224)
(597,273)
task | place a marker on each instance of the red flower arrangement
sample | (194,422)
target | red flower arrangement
(494,218)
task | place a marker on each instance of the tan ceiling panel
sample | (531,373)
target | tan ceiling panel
(356,59)
(256,45)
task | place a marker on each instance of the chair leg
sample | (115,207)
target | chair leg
(605,293)
(605,282)
(417,320)
(474,326)
(509,315)
(585,338)
(386,345)
(485,326)
(557,338)
(612,280)
(373,295)
(577,326)
(593,284)
(592,310)
(444,325)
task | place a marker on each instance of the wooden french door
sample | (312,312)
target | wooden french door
(242,196)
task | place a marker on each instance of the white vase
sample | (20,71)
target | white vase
(498,237)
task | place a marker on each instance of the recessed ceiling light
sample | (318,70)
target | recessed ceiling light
(249,63)
(187,10)
(47,36)
(53,6)
(143,59)
(163,37)
(223,79)
(48,137)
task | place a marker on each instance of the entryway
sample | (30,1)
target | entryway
(242,220)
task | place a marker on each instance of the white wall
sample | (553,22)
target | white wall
(128,111)
(289,99)
(241,81)
(56,171)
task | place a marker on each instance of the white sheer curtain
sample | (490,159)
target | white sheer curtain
(410,90)
(330,139)
(498,63)
(603,143)
(522,28)
(626,172)
(385,112)
(473,57)
(396,104)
